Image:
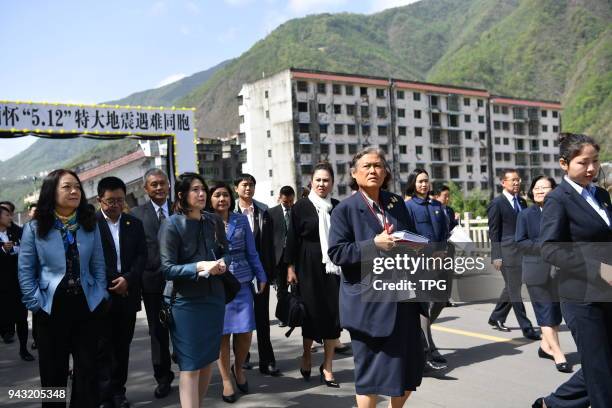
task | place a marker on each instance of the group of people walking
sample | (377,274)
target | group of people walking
(203,264)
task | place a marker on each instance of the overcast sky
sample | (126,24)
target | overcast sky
(90,52)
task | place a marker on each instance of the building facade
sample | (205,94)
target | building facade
(295,118)
(219,159)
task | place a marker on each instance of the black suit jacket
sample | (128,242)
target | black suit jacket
(152,279)
(502,228)
(133,251)
(535,270)
(577,240)
(279,231)
(9,283)
(450,217)
(264,242)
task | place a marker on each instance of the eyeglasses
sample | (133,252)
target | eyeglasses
(113,201)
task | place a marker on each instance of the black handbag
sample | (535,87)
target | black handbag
(231,286)
(165,312)
(290,308)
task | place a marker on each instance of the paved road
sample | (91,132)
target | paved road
(489,368)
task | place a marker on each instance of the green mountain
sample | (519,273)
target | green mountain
(546,49)
(168,95)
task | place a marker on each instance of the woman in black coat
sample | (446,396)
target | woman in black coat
(537,274)
(310,267)
(576,237)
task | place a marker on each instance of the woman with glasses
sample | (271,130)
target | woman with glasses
(541,283)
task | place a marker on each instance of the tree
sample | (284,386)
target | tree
(474,202)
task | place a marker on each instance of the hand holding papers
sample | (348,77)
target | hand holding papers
(411,239)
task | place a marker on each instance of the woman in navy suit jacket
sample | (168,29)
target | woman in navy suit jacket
(386,335)
(576,235)
(63,280)
(542,286)
(429,220)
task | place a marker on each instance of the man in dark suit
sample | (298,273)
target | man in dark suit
(280,216)
(151,213)
(259,221)
(443,196)
(502,213)
(125,253)
(12,311)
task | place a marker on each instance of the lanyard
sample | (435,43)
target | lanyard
(384,224)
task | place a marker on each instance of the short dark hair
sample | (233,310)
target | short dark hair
(411,182)
(182,187)
(244,177)
(324,166)
(3,209)
(45,209)
(508,170)
(110,184)
(370,150)
(551,180)
(287,191)
(32,205)
(215,186)
(571,144)
(443,188)
(8,205)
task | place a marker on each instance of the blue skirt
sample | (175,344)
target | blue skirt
(196,332)
(390,365)
(239,313)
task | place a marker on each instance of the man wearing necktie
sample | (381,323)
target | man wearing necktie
(151,214)
(502,214)
(280,216)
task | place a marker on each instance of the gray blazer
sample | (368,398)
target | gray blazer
(182,244)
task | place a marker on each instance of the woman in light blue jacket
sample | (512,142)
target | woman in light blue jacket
(63,281)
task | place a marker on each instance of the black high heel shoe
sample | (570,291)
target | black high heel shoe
(543,354)
(305,374)
(329,383)
(230,399)
(564,367)
(244,388)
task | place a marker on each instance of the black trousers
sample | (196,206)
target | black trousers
(281,279)
(591,326)
(117,331)
(160,338)
(262,324)
(70,329)
(510,298)
(14,314)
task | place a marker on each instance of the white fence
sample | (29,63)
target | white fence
(477,228)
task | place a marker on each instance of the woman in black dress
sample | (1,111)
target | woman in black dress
(311,268)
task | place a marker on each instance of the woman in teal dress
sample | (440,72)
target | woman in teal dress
(192,246)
